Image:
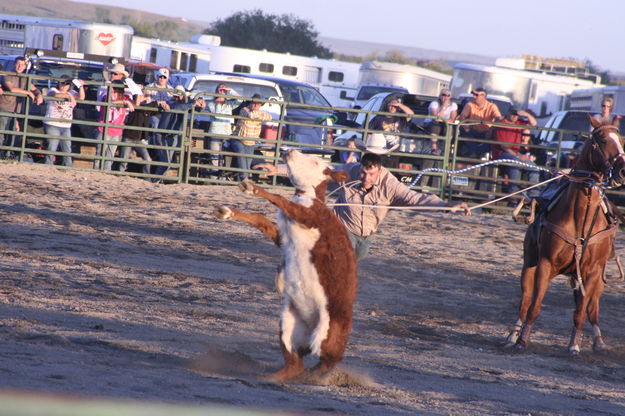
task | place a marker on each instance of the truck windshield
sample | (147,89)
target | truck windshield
(244,89)
(304,95)
(71,69)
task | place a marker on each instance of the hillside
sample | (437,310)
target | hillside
(180,29)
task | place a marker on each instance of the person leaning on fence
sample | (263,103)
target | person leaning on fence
(248,128)
(113,74)
(371,184)
(140,119)
(14,104)
(482,112)
(510,144)
(117,113)
(220,124)
(62,107)
(162,95)
(392,125)
(173,120)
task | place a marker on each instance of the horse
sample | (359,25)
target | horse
(574,237)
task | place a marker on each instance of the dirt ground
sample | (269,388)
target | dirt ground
(117,288)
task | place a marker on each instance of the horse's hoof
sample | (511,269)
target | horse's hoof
(520,347)
(599,345)
(574,351)
(222,212)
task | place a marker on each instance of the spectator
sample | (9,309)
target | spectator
(162,99)
(392,126)
(116,117)
(13,104)
(479,110)
(606,112)
(351,156)
(114,75)
(63,109)
(173,121)
(220,125)
(512,144)
(248,127)
(374,185)
(139,118)
(445,111)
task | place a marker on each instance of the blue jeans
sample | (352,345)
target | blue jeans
(53,143)
(361,245)
(6,123)
(514,173)
(109,150)
(164,155)
(142,152)
(242,161)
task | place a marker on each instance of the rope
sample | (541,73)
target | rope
(481,165)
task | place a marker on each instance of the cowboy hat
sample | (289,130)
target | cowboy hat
(376,143)
(118,68)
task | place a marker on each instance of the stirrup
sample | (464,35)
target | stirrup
(525,219)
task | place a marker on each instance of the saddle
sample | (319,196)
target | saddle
(541,205)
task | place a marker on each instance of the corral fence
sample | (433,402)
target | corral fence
(184,152)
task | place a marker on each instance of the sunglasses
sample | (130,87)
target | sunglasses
(64,82)
(115,73)
(477,94)
(445,95)
(162,76)
(606,106)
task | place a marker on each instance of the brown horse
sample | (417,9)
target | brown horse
(575,237)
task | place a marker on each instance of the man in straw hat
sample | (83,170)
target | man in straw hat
(372,184)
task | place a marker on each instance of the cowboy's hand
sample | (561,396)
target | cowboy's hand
(461,206)
(270,170)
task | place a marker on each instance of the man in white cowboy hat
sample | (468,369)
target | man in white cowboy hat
(371,184)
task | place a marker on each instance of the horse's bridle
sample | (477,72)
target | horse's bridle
(606,164)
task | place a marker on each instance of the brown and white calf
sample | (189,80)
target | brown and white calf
(319,265)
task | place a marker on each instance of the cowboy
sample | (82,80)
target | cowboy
(371,184)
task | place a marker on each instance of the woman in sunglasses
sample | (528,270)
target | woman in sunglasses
(62,108)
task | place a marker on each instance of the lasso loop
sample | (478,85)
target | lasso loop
(491,162)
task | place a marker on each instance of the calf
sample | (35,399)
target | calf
(319,265)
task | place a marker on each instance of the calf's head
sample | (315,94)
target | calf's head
(310,174)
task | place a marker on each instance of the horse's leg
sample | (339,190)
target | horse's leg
(595,293)
(542,278)
(527,289)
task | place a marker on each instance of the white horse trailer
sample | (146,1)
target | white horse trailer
(205,54)
(415,79)
(589,99)
(181,56)
(17,33)
(543,93)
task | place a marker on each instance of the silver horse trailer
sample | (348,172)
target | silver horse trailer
(17,33)
(543,93)
(416,80)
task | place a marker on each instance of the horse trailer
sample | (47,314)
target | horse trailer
(18,33)
(542,92)
(417,80)
(589,99)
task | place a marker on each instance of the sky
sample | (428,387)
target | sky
(549,28)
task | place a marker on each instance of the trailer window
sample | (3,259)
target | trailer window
(244,69)
(193,63)
(183,61)
(289,70)
(173,62)
(153,53)
(57,42)
(336,76)
(265,67)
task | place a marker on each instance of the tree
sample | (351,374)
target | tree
(277,33)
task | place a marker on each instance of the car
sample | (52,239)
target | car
(276,91)
(575,126)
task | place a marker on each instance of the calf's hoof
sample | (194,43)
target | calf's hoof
(247,187)
(223,212)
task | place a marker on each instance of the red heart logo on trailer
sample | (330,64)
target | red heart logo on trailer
(105,38)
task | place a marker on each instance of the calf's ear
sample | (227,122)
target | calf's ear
(336,175)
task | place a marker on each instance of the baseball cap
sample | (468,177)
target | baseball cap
(478,90)
(162,72)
